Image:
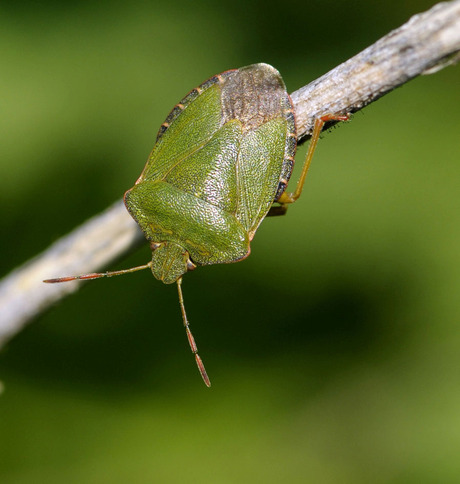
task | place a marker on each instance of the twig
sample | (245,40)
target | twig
(425,44)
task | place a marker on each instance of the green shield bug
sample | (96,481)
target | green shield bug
(221,163)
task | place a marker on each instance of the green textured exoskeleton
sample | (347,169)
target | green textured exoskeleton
(222,158)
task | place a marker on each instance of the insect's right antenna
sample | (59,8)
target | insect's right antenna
(97,275)
(190,337)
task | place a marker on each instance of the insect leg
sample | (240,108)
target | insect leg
(287,198)
(190,337)
(276,210)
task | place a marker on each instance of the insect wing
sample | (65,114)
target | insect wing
(259,165)
(187,131)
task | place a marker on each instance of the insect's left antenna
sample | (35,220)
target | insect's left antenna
(190,337)
(97,275)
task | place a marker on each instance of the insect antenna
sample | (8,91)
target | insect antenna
(190,337)
(97,275)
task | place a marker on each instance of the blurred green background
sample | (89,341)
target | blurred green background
(334,350)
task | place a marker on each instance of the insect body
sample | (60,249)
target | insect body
(222,158)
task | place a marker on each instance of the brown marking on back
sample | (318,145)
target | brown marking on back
(254,96)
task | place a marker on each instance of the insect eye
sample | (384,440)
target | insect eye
(155,245)
(190,265)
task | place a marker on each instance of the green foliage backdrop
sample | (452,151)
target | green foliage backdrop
(333,350)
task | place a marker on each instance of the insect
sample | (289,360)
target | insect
(221,163)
